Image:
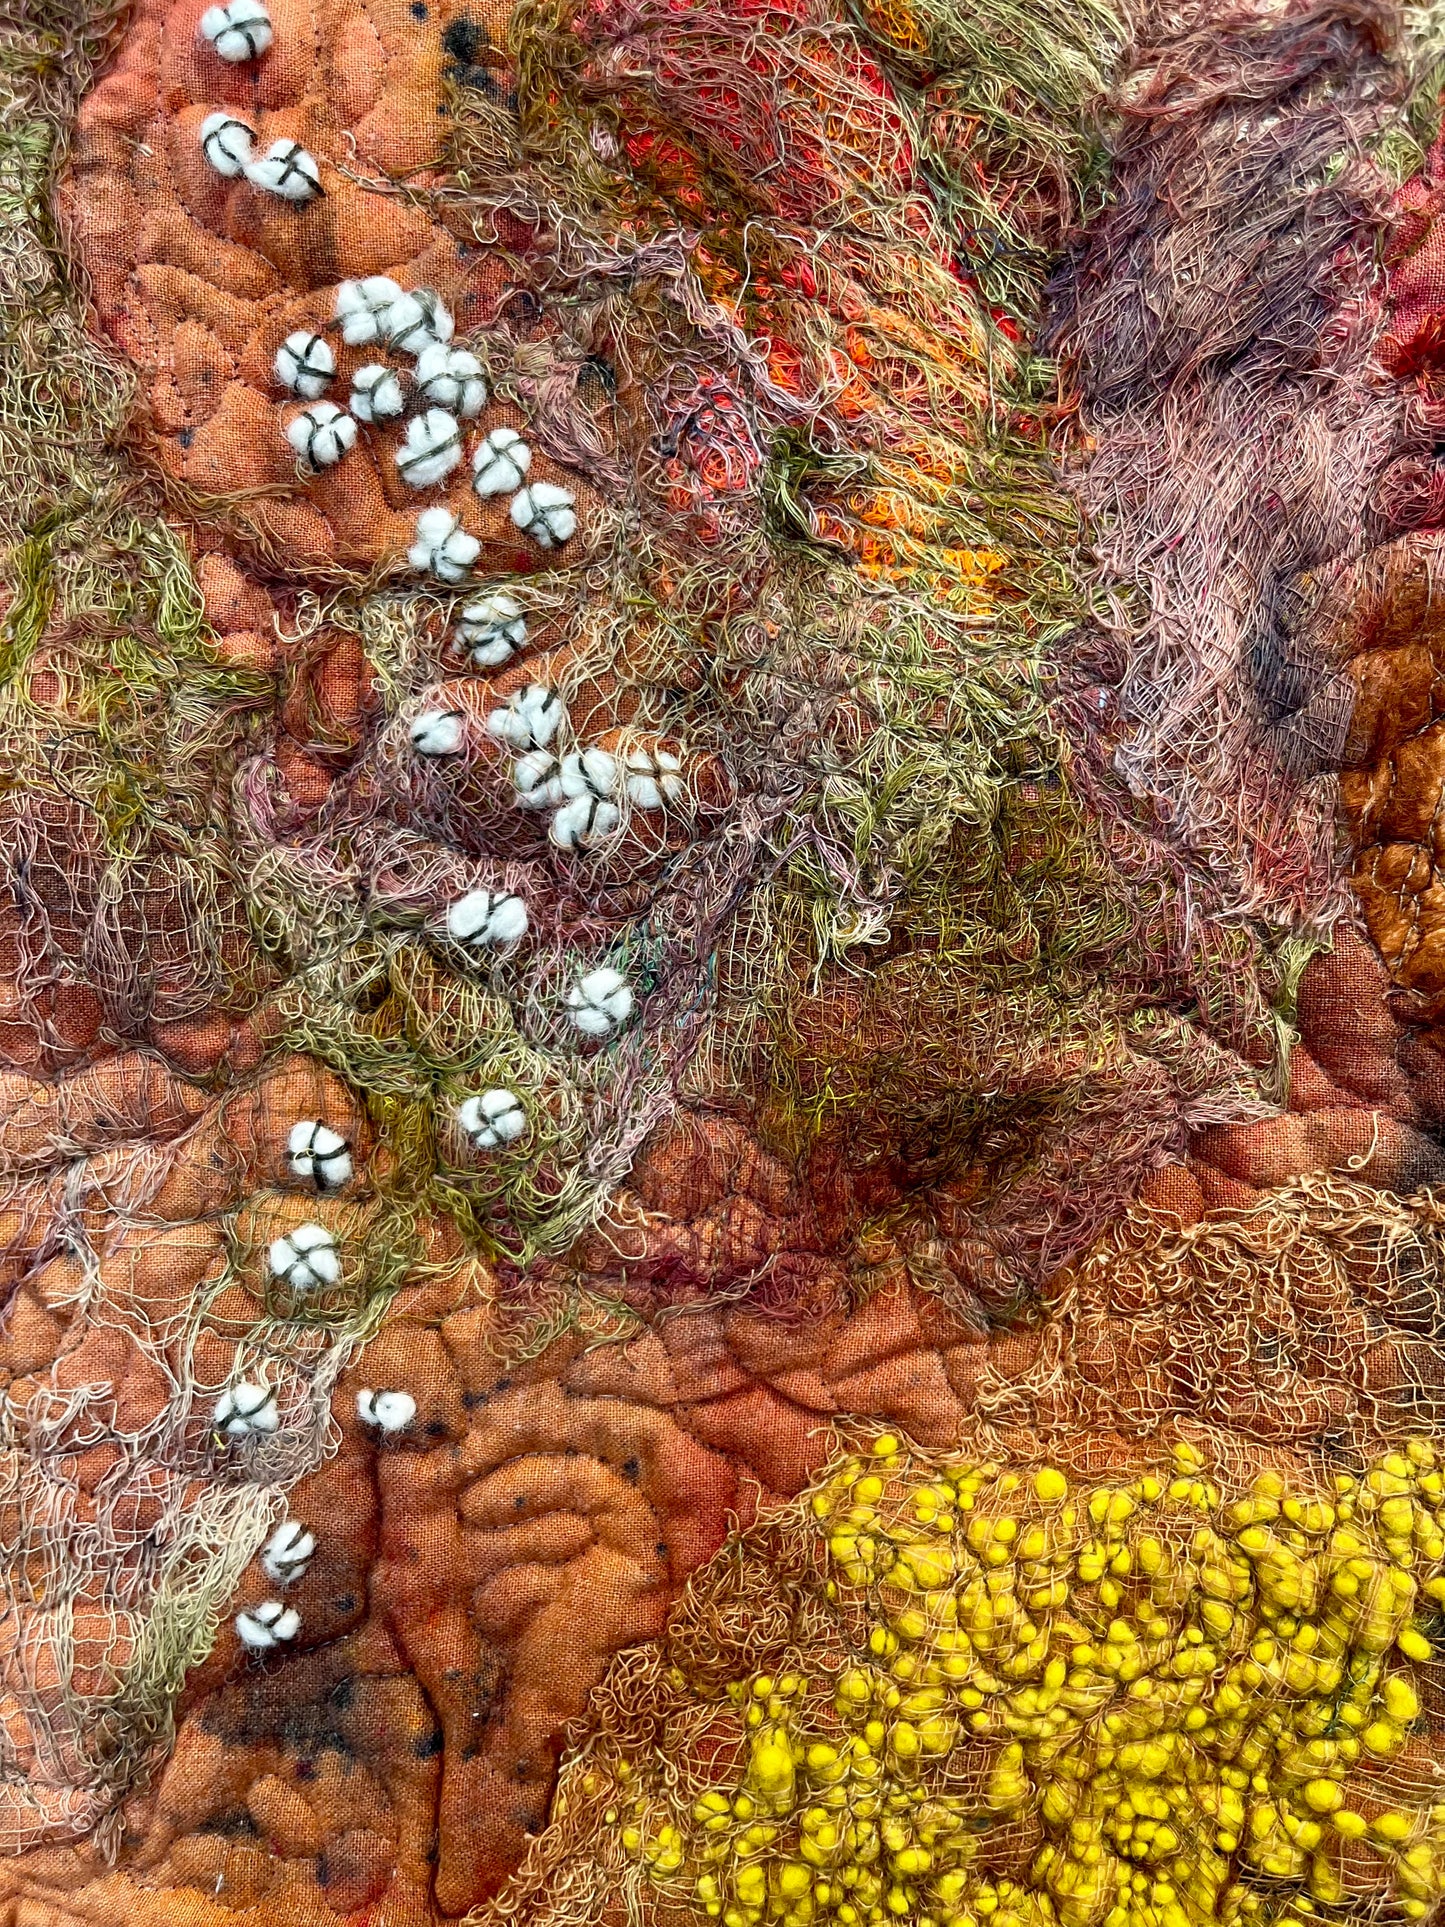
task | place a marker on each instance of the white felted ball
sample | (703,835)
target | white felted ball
(547,513)
(238,31)
(600,1003)
(536,780)
(267,1625)
(228,144)
(487,919)
(451,378)
(305,363)
(362,308)
(376,394)
(438,732)
(501,463)
(305,1258)
(246,1410)
(529,719)
(388,1411)
(417,321)
(288,170)
(442,548)
(319,1154)
(492,1118)
(583,823)
(493,628)
(321,434)
(432,449)
(589,772)
(654,778)
(288,1552)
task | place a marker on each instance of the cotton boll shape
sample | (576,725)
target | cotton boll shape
(432,449)
(589,772)
(530,718)
(387,1411)
(305,1258)
(493,628)
(438,732)
(451,378)
(267,1625)
(500,463)
(547,513)
(239,31)
(653,778)
(228,144)
(321,434)
(583,823)
(363,308)
(246,1410)
(487,919)
(536,780)
(600,1003)
(286,169)
(417,321)
(492,1119)
(442,548)
(377,394)
(305,363)
(319,1155)
(288,1553)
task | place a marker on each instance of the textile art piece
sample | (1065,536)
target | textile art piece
(722,963)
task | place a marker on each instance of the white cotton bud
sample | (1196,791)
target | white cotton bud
(545,512)
(246,1410)
(492,1119)
(452,378)
(432,449)
(319,1155)
(321,434)
(304,363)
(654,778)
(529,719)
(238,31)
(267,1625)
(583,823)
(376,394)
(441,547)
(288,170)
(388,1411)
(288,1552)
(536,779)
(500,463)
(589,772)
(487,919)
(362,308)
(600,1003)
(417,321)
(227,144)
(305,1258)
(493,628)
(438,732)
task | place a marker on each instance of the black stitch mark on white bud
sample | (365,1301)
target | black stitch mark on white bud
(227,144)
(267,1625)
(441,547)
(487,919)
(305,1258)
(319,1155)
(376,394)
(500,463)
(492,1119)
(654,778)
(288,170)
(584,823)
(246,1410)
(438,732)
(321,434)
(547,513)
(529,719)
(362,308)
(417,321)
(600,1003)
(388,1411)
(305,363)
(452,378)
(288,1553)
(537,780)
(238,31)
(432,449)
(493,628)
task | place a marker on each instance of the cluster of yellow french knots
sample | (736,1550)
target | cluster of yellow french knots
(1125,1704)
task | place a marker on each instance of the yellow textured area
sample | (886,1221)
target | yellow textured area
(1132,1702)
